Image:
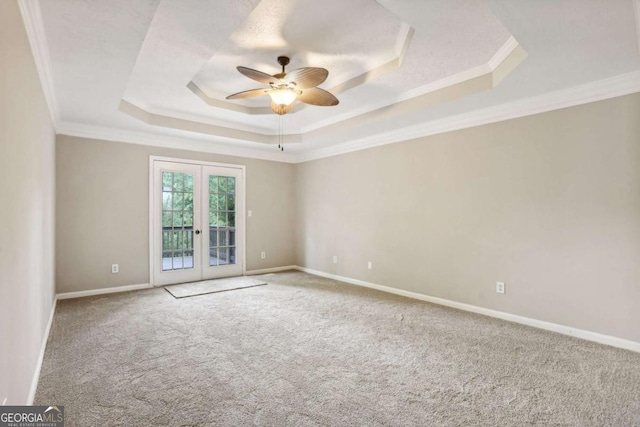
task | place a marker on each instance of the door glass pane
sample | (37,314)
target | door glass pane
(213,237)
(222,184)
(222,202)
(167,219)
(188,259)
(222,237)
(223,255)
(213,202)
(166,200)
(188,183)
(187,219)
(188,200)
(177,221)
(222,211)
(177,218)
(213,256)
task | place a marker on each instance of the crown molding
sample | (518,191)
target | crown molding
(158,140)
(621,85)
(636,9)
(33,24)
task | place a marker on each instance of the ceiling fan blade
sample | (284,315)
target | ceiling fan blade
(317,96)
(258,76)
(248,94)
(307,77)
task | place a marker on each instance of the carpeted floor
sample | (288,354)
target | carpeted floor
(308,351)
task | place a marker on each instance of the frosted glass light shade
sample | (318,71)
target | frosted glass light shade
(281,109)
(284,96)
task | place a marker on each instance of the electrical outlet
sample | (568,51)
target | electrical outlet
(115,268)
(369,265)
(500,287)
(335,259)
(263,255)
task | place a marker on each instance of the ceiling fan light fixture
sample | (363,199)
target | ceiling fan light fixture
(283,96)
(281,109)
(285,89)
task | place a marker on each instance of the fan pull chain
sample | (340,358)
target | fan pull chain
(281,134)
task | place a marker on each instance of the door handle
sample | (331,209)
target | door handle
(197,231)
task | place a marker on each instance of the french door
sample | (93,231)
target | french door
(197,221)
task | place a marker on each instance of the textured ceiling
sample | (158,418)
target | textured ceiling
(348,38)
(132,65)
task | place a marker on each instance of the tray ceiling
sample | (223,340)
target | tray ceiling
(163,67)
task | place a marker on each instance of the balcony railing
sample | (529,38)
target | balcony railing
(177,247)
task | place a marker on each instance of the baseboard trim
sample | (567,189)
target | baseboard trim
(92,292)
(270,270)
(553,327)
(43,347)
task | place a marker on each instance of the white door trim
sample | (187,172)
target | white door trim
(243,170)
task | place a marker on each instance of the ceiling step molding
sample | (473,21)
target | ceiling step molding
(488,69)
(503,53)
(205,128)
(624,84)
(32,19)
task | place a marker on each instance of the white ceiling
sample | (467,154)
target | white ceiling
(141,70)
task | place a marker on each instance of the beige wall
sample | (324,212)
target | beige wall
(26,210)
(102,198)
(549,203)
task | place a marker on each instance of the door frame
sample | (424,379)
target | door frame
(242,217)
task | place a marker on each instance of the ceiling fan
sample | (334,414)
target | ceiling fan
(285,88)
